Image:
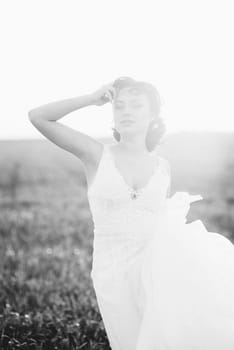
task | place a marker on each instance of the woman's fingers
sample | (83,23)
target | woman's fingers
(108,94)
(111,89)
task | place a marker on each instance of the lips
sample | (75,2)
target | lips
(127,121)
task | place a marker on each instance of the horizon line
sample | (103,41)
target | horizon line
(109,137)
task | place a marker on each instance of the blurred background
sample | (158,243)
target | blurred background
(56,50)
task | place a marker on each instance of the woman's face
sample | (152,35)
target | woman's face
(134,107)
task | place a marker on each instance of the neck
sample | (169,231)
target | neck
(134,146)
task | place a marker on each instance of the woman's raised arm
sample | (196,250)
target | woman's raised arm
(45,119)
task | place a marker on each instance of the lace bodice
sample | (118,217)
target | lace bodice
(116,208)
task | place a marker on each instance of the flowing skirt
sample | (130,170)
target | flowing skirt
(177,293)
(188,278)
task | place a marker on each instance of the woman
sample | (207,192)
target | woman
(160,283)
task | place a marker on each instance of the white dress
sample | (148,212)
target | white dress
(161,284)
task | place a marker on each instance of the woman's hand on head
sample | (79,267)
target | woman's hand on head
(103,95)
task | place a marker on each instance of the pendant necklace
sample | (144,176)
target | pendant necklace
(134,194)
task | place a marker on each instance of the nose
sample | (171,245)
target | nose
(127,111)
(126,115)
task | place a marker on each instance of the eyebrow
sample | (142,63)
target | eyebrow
(134,100)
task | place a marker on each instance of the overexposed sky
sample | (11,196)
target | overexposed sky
(53,50)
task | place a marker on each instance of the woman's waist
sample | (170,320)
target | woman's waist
(122,245)
(131,227)
(125,252)
(121,236)
(124,235)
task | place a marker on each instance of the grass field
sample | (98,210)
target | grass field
(47,300)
